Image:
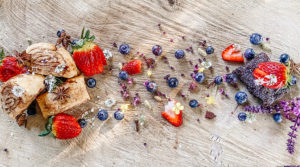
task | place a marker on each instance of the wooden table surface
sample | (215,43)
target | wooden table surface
(224,141)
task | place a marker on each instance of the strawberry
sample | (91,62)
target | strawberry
(88,56)
(133,67)
(173,113)
(9,67)
(272,75)
(62,126)
(232,53)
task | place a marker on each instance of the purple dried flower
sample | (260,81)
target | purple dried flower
(167,77)
(193,86)
(200,60)
(172,68)
(291,141)
(182,75)
(164,33)
(136,100)
(171,40)
(183,37)
(115,45)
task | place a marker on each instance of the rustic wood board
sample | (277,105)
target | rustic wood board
(112,143)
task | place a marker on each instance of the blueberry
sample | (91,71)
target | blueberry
(231,78)
(293,80)
(210,50)
(91,82)
(284,58)
(249,53)
(218,80)
(74,42)
(241,97)
(173,82)
(199,77)
(193,103)
(242,116)
(151,86)
(277,117)
(102,115)
(59,32)
(179,54)
(123,75)
(119,115)
(156,50)
(256,39)
(82,123)
(124,49)
(31,109)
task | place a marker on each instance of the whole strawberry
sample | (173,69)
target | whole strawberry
(62,126)
(9,67)
(272,75)
(88,56)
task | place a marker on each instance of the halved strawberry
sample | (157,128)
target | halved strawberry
(88,56)
(232,53)
(272,75)
(133,67)
(172,113)
(9,67)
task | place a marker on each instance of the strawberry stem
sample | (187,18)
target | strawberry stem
(2,55)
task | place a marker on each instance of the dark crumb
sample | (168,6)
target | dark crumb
(211,69)
(198,120)
(267,39)
(145,144)
(209,115)
(5,150)
(115,45)
(183,37)
(227,68)
(172,68)
(191,63)
(137,125)
(171,2)
(200,60)
(182,75)
(158,25)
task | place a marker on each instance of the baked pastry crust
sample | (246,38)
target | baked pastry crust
(15,103)
(75,93)
(46,59)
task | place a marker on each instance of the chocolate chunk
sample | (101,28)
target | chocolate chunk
(268,96)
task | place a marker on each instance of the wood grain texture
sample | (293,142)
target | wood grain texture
(112,143)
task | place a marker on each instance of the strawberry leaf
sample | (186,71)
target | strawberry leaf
(82,32)
(44,133)
(87,34)
(2,55)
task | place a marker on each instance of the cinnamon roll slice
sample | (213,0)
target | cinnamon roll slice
(46,59)
(19,92)
(70,94)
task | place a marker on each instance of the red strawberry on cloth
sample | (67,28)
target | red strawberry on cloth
(272,75)
(173,113)
(133,67)
(88,56)
(233,53)
(62,126)
(9,67)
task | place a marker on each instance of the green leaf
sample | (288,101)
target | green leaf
(92,38)
(2,55)
(44,133)
(87,34)
(82,32)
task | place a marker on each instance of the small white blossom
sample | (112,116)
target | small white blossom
(60,68)
(206,64)
(50,82)
(107,54)
(18,91)
(110,102)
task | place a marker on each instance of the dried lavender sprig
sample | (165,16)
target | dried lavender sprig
(292,140)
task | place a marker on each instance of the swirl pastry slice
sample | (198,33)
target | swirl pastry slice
(46,59)
(19,92)
(70,94)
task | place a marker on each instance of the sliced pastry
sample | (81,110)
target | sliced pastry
(46,59)
(18,93)
(70,94)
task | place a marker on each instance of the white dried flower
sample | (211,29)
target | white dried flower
(110,102)
(107,54)
(50,82)
(60,68)
(206,64)
(18,91)
(147,104)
